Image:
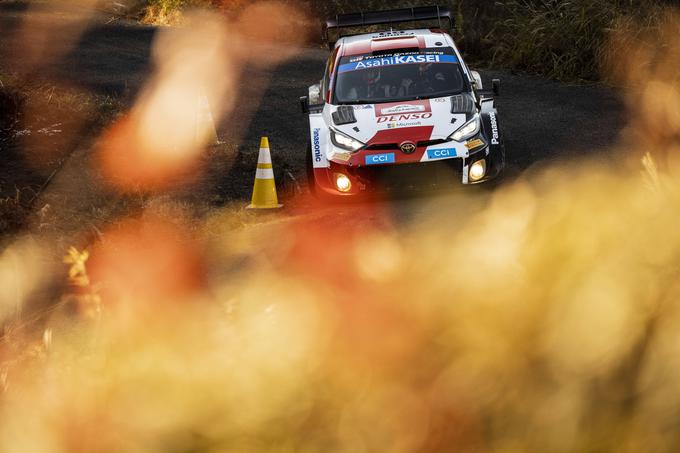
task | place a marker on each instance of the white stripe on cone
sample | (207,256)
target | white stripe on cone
(265,156)
(264,173)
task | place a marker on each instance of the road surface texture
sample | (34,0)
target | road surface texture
(542,120)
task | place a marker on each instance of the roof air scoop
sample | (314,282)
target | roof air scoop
(463,103)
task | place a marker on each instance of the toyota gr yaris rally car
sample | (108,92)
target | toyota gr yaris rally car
(399,110)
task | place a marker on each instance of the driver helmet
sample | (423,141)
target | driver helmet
(372,76)
(424,68)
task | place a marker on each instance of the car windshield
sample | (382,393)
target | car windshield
(399,76)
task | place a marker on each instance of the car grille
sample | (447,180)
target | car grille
(383,147)
(416,176)
(431,142)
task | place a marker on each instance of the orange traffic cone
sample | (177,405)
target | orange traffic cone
(264,190)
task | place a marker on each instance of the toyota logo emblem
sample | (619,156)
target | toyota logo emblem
(407,147)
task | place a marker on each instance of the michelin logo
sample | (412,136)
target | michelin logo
(494,129)
(317,145)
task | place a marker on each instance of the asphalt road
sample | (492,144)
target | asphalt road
(542,120)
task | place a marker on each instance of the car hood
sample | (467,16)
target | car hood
(397,122)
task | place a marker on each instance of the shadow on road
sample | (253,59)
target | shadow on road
(109,58)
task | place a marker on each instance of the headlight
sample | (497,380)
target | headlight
(478,170)
(343,183)
(342,141)
(467,130)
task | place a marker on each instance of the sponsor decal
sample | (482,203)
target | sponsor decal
(433,154)
(402,108)
(400,125)
(407,147)
(363,107)
(396,60)
(377,159)
(316,144)
(342,156)
(387,34)
(472,144)
(405,117)
(494,129)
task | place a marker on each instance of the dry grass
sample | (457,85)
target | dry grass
(40,126)
(172,12)
(167,12)
(33,103)
(14,210)
(544,319)
(561,40)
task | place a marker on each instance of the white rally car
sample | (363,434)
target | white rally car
(399,110)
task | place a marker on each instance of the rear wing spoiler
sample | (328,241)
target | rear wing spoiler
(388,17)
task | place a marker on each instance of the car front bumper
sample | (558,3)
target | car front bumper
(422,176)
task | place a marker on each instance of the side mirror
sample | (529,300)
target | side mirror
(313,101)
(304,104)
(314,95)
(496,87)
(477,80)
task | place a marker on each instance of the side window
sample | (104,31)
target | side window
(330,67)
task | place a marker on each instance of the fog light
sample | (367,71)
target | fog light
(478,170)
(342,182)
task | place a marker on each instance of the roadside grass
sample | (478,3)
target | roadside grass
(165,329)
(41,124)
(168,12)
(18,95)
(171,12)
(553,38)
(10,106)
(563,40)
(14,211)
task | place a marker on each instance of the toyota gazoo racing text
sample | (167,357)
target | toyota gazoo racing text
(399,110)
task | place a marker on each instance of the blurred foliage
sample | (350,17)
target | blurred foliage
(542,316)
(543,321)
